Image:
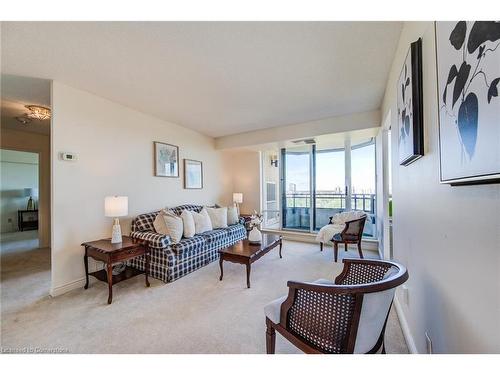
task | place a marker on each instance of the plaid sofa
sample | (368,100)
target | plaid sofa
(170,261)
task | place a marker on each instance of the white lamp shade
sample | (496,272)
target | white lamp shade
(115,206)
(29,192)
(238,197)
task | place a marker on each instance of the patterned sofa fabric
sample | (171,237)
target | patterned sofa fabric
(156,240)
(188,244)
(171,261)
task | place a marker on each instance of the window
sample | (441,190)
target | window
(318,182)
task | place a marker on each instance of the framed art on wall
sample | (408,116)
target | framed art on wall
(468,73)
(409,102)
(166,160)
(193,174)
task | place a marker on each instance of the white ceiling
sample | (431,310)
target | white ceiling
(219,78)
(16,92)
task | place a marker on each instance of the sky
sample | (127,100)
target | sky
(330,170)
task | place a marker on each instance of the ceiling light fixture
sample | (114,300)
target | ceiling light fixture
(38,112)
(23,120)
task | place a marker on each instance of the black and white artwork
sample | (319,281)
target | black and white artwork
(468,72)
(409,92)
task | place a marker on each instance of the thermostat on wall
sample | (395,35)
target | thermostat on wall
(68,156)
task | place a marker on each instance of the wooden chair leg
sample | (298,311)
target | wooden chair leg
(321,246)
(335,251)
(359,250)
(345,245)
(270,337)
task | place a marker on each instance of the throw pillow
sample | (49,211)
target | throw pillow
(232,215)
(159,223)
(218,217)
(188,221)
(168,223)
(202,221)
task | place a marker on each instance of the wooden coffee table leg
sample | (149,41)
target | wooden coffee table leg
(86,263)
(147,268)
(248,275)
(110,282)
(221,269)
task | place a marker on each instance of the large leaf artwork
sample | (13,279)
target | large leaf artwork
(474,53)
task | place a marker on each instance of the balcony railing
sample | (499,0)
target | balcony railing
(297,213)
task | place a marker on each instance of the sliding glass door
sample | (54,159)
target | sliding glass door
(363,183)
(317,182)
(329,192)
(296,188)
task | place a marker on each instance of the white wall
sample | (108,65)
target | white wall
(448,237)
(19,170)
(38,143)
(114,145)
(244,171)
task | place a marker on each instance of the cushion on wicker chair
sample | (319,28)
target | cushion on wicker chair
(373,314)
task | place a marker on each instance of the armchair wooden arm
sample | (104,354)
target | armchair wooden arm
(324,318)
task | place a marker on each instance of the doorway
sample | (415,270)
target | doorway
(24,191)
(19,187)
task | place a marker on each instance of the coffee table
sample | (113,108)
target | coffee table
(244,252)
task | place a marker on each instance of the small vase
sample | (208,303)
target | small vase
(255,236)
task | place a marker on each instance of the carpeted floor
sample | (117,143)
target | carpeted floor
(196,314)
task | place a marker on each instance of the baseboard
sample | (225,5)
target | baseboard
(58,290)
(410,342)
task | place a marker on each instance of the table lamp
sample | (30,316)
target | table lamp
(237,199)
(115,207)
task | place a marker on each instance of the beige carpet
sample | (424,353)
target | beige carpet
(196,314)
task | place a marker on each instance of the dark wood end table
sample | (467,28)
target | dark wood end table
(243,252)
(105,251)
(27,220)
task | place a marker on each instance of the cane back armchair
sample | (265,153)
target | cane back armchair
(347,316)
(352,234)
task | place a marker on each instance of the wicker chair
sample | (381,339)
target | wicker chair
(348,316)
(352,233)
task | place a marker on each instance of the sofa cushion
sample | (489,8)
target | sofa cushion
(168,223)
(188,244)
(218,217)
(214,235)
(202,221)
(235,229)
(188,223)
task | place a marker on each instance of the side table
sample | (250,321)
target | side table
(105,251)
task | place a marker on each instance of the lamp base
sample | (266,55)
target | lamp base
(116,234)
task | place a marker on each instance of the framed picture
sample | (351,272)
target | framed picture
(468,73)
(193,174)
(166,160)
(410,112)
